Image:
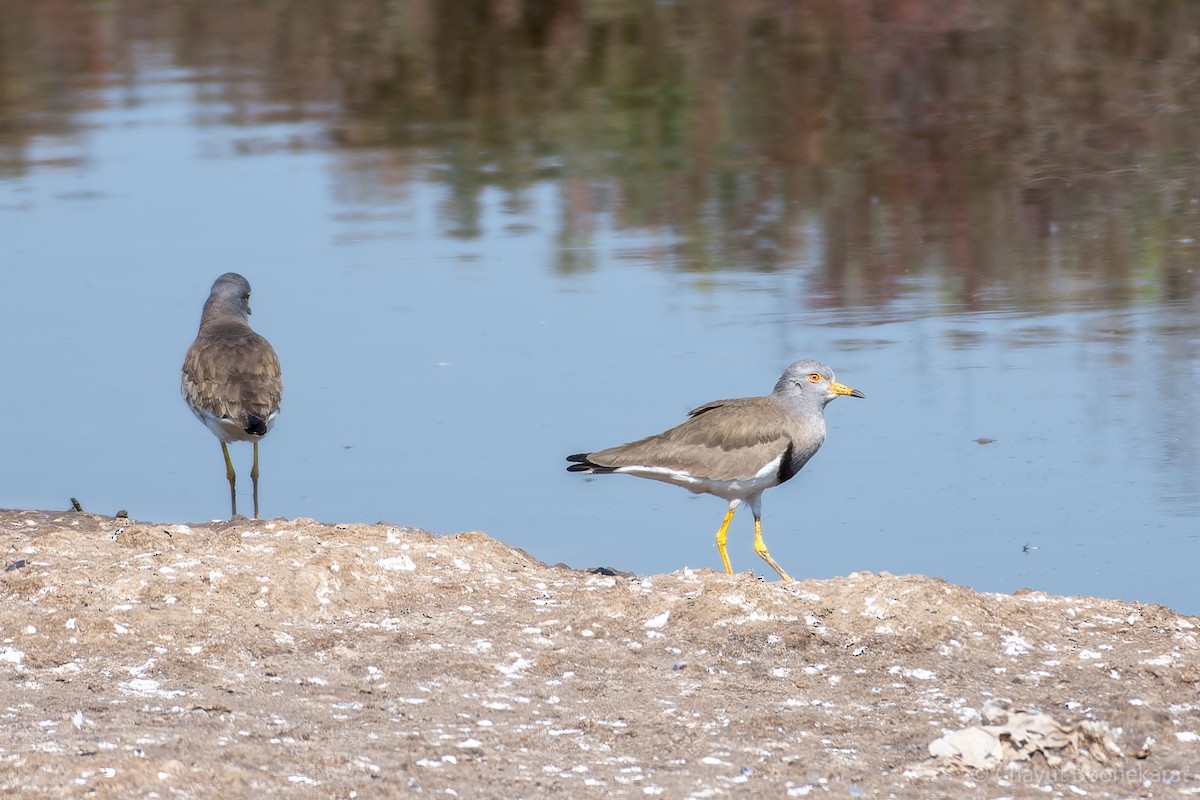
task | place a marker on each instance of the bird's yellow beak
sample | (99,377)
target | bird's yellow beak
(841,388)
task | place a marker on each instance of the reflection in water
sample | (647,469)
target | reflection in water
(990,203)
(1032,155)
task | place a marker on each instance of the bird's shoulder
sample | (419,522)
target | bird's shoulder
(736,405)
(734,423)
(227,351)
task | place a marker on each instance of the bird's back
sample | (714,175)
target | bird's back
(232,381)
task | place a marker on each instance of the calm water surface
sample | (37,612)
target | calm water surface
(480,243)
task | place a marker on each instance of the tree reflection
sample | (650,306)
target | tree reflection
(1024,152)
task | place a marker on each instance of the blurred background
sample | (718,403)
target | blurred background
(485,234)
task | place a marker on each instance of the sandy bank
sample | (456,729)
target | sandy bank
(293,658)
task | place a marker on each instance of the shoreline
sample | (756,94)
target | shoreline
(270,657)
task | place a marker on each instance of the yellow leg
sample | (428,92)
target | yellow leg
(760,547)
(723,536)
(232,481)
(254,478)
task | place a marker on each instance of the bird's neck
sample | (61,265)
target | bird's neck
(223,323)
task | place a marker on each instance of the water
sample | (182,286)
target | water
(456,309)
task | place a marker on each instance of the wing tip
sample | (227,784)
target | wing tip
(583,463)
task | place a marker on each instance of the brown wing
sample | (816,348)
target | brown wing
(723,440)
(233,374)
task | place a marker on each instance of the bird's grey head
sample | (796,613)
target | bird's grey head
(811,381)
(230,295)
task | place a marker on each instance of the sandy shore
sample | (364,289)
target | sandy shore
(291,658)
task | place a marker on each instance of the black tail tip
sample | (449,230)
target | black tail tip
(583,463)
(256,426)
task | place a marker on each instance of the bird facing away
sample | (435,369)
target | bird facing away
(231,377)
(734,449)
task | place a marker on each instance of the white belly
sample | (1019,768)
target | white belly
(737,489)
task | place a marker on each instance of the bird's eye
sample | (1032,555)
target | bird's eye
(814,377)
